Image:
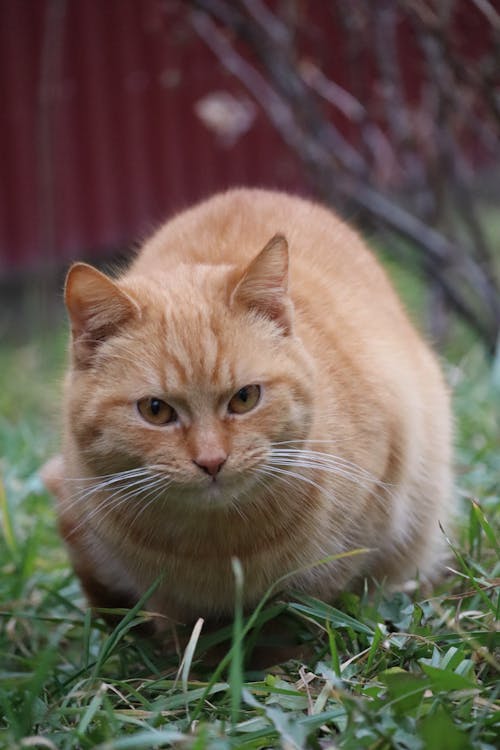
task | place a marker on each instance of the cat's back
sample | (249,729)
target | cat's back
(332,274)
(231,228)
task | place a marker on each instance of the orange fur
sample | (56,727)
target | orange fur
(208,307)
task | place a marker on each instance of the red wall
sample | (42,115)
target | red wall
(99,137)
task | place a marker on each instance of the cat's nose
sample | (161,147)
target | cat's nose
(211,464)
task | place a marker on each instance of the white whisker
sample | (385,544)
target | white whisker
(335,470)
(324,457)
(152,494)
(117,478)
(111,502)
(124,473)
(296,475)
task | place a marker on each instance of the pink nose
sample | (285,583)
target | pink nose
(211,465)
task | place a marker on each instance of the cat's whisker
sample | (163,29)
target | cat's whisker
(138,489)
(306,441)
(248,493)
(339,459)
(236,507)
(144,507)
(290,479)
(332,469)
(125,472)
(154,491)
(310,441)
(113,479)
(86,518)
(113,501)
(117,499)
(261,479)
(324,457)
(310,452)
(107,504)
(297,475)
(83,497)
(377,496)
(303,511)
(318,461)
(267,473)
(116,479)
(282,472)
(320,456)
(362,478)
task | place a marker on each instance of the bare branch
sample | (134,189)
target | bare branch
(288,93)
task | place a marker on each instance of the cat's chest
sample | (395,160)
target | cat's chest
(197,581)
(198,570)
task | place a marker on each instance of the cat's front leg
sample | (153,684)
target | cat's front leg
(93,574)
(52,475)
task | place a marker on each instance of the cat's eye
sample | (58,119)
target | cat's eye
(156,411)
(244,400)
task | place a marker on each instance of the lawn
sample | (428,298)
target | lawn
(390,671)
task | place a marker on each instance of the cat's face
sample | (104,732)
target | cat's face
(195,377)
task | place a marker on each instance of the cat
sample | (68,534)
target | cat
(250,387)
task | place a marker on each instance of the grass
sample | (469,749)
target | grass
(390,671)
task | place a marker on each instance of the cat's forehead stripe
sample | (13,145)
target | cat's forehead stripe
(195,350)
(217,368)
(173,362)
(207,367)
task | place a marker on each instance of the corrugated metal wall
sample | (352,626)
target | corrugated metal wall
(99,135)
(100,129)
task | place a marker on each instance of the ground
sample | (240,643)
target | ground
(390,671)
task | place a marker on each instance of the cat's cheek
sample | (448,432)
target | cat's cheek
(300,419)
(118,444)
(162,447)
(290,418)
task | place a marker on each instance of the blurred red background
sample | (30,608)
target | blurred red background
(115,114)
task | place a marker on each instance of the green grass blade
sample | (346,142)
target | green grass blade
(486,527)
(6,521)
(334,652)
(236,666)
(322,611)
(123,627)
(189,651)
(145,740)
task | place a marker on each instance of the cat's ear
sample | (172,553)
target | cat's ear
(97,308)
(264,285)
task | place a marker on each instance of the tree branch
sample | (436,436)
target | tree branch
(290,99)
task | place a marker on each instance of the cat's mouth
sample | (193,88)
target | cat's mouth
(226,487)
(223,483)
(217,491)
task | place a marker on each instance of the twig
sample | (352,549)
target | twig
(341,172)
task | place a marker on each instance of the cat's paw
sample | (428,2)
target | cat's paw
(52,475)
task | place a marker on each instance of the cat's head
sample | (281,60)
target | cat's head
(193,374)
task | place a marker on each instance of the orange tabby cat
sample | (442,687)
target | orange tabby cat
(250,387)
